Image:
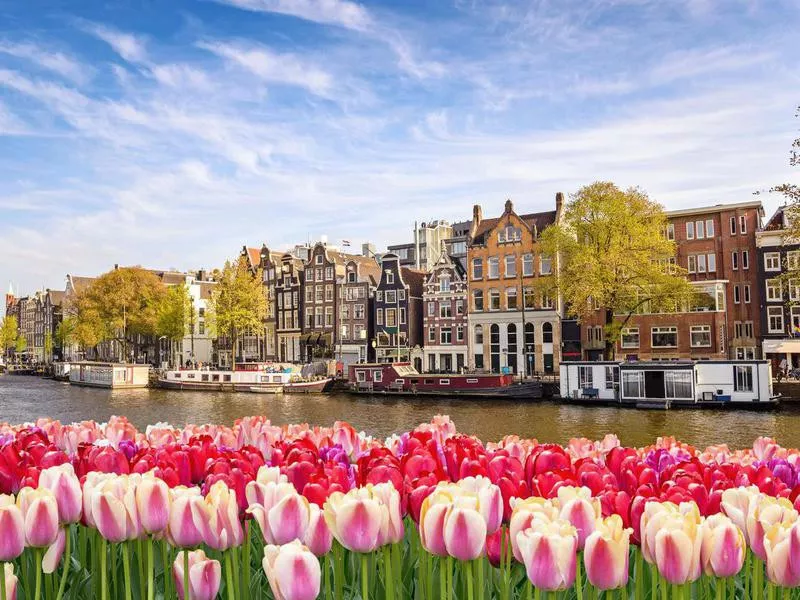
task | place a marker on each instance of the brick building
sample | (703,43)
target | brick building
(717,247)
(356,293)
(445,321)
(512,324)
(320,302)
(289,308)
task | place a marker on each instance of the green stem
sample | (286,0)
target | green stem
(3,581)
(536,593)
(664,591)
(185,574)
(326,564)
(639,581)
(67,557)
(103,571)
(126,570)
(480,566)
(449,578)
(140,560)
(338,580)
(720,588)
(677,592)
(166,567)
(747,573)
(653,581)
(229,576)
(151,588)
(442,579)
(470,585)
(38,555)
(770,591)
(389,581)
(246,560)
(578,577)
(364,578)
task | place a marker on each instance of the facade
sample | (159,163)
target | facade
(424,251)
(197,345)
(319,305)
(445,321)
(289,308)
(513,326)
(717,247)
(779,310)
(457,245)
(356,326)
(398,313)
(53,315)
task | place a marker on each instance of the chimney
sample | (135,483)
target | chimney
(559,202)
(477,217)
(509,206)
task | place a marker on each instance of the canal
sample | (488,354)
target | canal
(24,399)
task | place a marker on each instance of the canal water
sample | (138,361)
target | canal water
(23,399)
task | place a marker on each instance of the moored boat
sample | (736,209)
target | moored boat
(109,375)
(266,378)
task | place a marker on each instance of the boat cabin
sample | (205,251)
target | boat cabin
(109,375)
(669,382)
(403,377)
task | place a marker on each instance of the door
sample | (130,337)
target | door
(654,384)
(548,363)
(431,363)
(418,364)
(446,363)
(459,362)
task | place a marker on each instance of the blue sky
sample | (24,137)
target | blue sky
(169,133)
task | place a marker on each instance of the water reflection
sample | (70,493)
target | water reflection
(23,399)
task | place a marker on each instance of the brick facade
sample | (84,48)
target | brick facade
(445,326)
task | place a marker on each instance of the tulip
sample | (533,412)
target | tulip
(93,479)
(292,570)
(677,548)
(356,519)
(393,530)
(782,545)
(766,511)
(222,529)
(579,508)
(284,516)
(9,582)
(12,529)
(723,549)
(40,512)
(255,491)
(318,536)
(53,555)
(431,520)
(548,551)
(153,503)
(64,484)
(186,516)
(606,554)
(465,528)
(205,575)
(114,509)
(490,500)
(522,515)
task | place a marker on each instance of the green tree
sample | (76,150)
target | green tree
(48,347)
(21,344)
(175,314)
(65,333)
(238,303)
(8,333)
(612,253)
(119,305)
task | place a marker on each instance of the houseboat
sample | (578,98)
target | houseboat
(61,370)
(247,377)
(109,375)
(669,384)
(403,379)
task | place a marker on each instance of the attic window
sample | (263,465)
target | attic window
(509,234)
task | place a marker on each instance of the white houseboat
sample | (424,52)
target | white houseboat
(248,377)
(669,384)
(109,375)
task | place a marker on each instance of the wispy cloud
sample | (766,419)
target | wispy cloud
(130,47)
(56,62)
(332,12)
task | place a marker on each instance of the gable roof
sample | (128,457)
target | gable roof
(538,220)
(78,284)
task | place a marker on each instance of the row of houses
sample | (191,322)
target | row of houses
(468,296)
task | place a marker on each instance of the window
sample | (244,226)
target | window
(391,317)
(318,316)
(742,378)
(477,268)
(742,224)
(772,261)
(547,301)
(444,284)
(345,332)
(401,294)
(494,267)
(690,230)
(318,258)
(736,296)
(445,310)
(379,296)
(612,377)
(511,265)
(792,261)
(774,291)
(734,260)
(377,376)
(585,376)
(359,333)
(460,333)
(391,297)
(320,273)
(664,337)
(700,336)
(328,273)
(201,328)
(529,297)
(745,259)
(733,225)
(477,300)
(547,333)
(775,319)
(329,293)
(633,384)
(458,248)
(743,329)
(594,333)
(700,230)
(432,334)
(459,307)
(310,293)
(345,312)
(692,264)
(431,309)
(494,299)
(446,335)
(712,263)
(745,353)
(319,294)
(328,316)
(545,265)
(511,298)
(390,277)
(527,265)
(351,277)
(746,289)
(709,228)
(358,311)
(678,384)
(794,316)
(379,318)
(630,337)
(794,290)
(478,335)
(701,263)
(670,231)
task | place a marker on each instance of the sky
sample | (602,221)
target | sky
(170,133)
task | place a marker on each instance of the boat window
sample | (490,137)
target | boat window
(444,382)
(226,378)
(276,378)
(190,375)
(429,382)
(400,381)
(743,378)
(264,378)
(415,381)
(205,377)
(678,384)
(472,380)
(215,377)
(377,376)
(585,377)
(361,375)
(177,375)
(633,384)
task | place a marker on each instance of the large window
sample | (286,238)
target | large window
(529,297)
(511,298)
(793,260)
(445,310)
(633,384)
(585,376)
(391,317)
(527,265)
(391,296)
(494,299)
(775,319)
(494,267)
(772,261)
(477,300)
(547,333)
(678,384)
(431,309)
(479,335)
(742,378)
(774,291)
(700,336)
(612,377)
(511,265)
(630,337)
(444,284)
(446,335)
(664,337)
(477,268)
(545,265)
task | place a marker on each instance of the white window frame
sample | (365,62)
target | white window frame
(745,260)
(736,295)
(691,263)
(701,263)
(742,378)
(689,230)
(664,329)
(545,260)
(772,262)
(746,294)
(510,260)
(793,260)
(712,263)
(735,260)
(774,290)
(733,225)
(699,329)
(700,230)
(742,224)
(671,231)
(709,228)
(629,331)
(775,312)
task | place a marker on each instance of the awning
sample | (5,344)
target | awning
(781,346)
(324,339)
(307,339)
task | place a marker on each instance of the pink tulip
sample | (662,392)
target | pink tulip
(464,529)
(549,553)
(723,548)
(490,499)
(523,512)
(393,530)
(677,549)
(431,521)
(152,503)
(782,545)
(53,555)
(606,554)
(318,537)
(285,514)
(93,479)
(737,504)
(766,511)
(581,510)
(40,512)
(12,529)
(222,529)
(292,570)
(114,508)
(66,487)
(204,576)
(186,517)
(257,491)
(11,581)
(356,519)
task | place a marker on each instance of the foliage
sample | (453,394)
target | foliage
(238,303)
(21,344)
(48,346)
(8,332)
(175,313)
(65,332)
(613,255)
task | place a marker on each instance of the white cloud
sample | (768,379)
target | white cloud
(130,47)
(53,61)
(180,76)
(332,12)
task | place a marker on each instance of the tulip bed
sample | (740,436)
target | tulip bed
(255,510)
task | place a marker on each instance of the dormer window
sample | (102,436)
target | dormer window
(444,284)
(351,277)
(319,259)
(389,277)
(509,234)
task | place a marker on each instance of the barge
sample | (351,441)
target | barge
(263,378)
(109,375)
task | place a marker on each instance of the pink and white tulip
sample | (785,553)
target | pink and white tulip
(66,487)
(153,503)
(204,576)
(292,570)
(723,549)
(465,528)
(522,515)
(581,510)
(186,517)
(606,554)
(12,529)
(284,515)
(356,519)
(549,550)
(40,513)
(222,528)
(677,548)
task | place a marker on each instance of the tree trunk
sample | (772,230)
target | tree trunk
(609,351)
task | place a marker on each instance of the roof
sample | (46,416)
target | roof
(206,288)
(701,210)
(537,221)
(414,278)
(80,283)
(776,221)
(56,297)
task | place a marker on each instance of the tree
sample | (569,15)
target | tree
(612,253)
(175,313)
(119,305)
(8,333)
(65,334)
(21,344)
(48,347)
(238,303)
